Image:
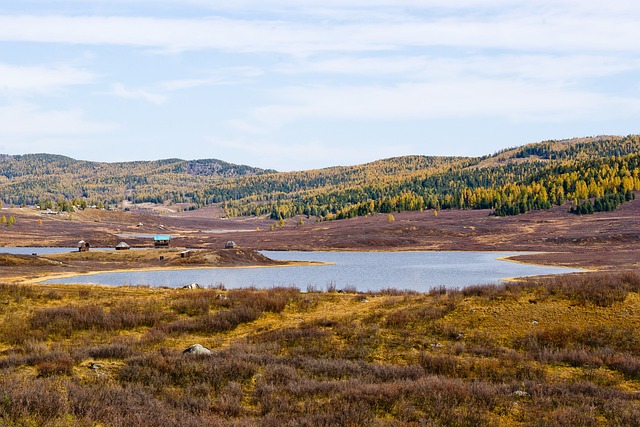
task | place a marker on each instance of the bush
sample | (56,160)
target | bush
(64,320)
(175,369)
(61,365)
(600,289)
(111,351)
(415,315)
(221,321)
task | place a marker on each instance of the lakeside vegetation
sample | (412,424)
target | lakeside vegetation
(560,351)
(591,173)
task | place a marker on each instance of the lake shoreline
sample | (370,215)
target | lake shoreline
(118,265)
(38,281)
(415,270)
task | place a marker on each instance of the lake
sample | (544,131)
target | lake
(419,271)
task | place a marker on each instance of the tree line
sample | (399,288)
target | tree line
(602,171)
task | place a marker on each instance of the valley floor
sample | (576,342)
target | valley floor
(561,351)
(604,241)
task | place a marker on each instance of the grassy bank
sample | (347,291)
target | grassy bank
(563,351)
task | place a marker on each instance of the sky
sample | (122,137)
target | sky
(304,84)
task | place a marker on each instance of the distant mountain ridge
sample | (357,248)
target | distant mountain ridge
(32,164)
(513,180)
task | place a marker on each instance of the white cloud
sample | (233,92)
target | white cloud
(159,93)
(221,76)
(555,68)
(40,79)
(120,91)
(28,121)
(313,6)
(280,70)
(549,31)
(176,85)
(459,99)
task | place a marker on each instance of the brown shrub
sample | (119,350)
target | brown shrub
(569,416)
(307,340)
(601,289)
(415,315)
(60,365)
(194,304)
(596,337)
(133,405)
(395,292)
(41,400)
(221,321)
(229,401)
(175,369)
(111,351)
(438,291)
(273,300)
(64,320)
(624,363)
(489,369)
(15,331)
(19,292)
(621,411)
(436,364)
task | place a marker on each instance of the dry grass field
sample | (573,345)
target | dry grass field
(556,352)
(559,351)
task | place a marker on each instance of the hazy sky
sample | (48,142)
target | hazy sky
(300,84)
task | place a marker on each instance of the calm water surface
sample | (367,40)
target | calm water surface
(373,271)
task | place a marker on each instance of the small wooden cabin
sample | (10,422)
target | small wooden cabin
(83,246)
(122,246)
(161,241)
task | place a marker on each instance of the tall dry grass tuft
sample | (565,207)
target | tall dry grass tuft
(64,320)
(601,289)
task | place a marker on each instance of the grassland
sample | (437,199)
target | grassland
(543,352)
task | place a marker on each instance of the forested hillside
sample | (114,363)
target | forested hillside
(58,181)
(592,173)
(513,181)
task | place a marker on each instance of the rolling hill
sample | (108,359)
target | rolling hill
(599,172)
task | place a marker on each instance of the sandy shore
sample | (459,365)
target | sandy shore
(48,277)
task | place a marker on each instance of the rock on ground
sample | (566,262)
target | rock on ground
(197,349)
